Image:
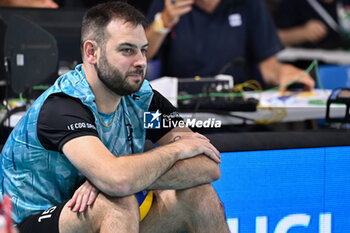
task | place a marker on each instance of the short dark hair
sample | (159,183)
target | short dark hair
(98,17)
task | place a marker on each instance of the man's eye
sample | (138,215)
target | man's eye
(144,51)
(128,51)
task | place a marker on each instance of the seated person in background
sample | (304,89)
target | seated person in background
(140,5)
(29,3)
(88,129)
(314,23)
(272,5)
(203,37)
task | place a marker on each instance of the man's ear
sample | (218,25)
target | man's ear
(91,51)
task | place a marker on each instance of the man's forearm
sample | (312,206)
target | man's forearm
(270,69)
(188,173)
(292,36)
(155,40)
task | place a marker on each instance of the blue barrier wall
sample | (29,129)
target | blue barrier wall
(289,190)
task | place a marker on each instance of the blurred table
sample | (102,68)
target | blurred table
(341,57)
(273,107)
(277,107)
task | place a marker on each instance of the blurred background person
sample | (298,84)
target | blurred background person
(314,23)
(272,5)
(140,5)
(29,3)
(208,37)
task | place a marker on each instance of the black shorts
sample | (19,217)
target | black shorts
(47,221)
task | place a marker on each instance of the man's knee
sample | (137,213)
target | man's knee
(194,193)
(200,197)
(124,207)
(104,211)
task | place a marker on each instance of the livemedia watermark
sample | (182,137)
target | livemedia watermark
(157,120)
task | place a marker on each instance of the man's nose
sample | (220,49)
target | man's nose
(140,60)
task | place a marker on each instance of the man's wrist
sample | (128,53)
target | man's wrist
(174,149)
(159,25)
(175,139)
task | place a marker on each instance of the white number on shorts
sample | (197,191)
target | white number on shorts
(47,213)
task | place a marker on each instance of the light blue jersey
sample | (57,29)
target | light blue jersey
(36,178)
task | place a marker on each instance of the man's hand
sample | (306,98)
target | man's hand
(289,73)
(194,144)
(200,166)
(83,197)
(314,31)
(278,74)
(174,9)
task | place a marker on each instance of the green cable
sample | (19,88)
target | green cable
(317,102)
(318,78)
(40,87)
(21,97)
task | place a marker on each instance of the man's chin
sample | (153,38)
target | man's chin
(136,84)
(132,90)
(138,88)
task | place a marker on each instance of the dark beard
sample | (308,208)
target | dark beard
(114,80)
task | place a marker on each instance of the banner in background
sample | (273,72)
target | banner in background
(286,191)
